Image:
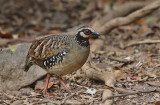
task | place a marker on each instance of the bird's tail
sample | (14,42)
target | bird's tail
(26,67)
(28,64)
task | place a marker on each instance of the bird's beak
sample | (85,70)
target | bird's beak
(95,34)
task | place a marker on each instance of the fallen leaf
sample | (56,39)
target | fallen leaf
(107,93)
(154,83)
(52,94)
(140,21)
(136,78)
(119,74)
(12,49)
(91,91)
(33,94)
(157,103)
(6,35)
(4,41)
(42,87)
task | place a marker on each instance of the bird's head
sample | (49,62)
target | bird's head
(87,32)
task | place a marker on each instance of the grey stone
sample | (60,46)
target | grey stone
(12,74)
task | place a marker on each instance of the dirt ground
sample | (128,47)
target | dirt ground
(131,50)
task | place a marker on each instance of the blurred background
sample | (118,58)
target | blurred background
(35,17)
(24,20)
(132,49)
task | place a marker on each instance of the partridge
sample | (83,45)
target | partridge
(61,54)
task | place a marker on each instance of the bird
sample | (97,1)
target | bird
(61,54)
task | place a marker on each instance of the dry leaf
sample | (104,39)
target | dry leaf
(154,83)
(42,87)
(91,91)
(140,21)
(4,41)
(157,103)
(12,49)
(119,74)
(6,35)
(107,93)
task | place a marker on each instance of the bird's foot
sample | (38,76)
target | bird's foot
(64,85)
(45,91)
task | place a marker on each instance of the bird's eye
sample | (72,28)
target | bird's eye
(87,32)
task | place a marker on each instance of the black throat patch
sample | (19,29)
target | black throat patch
(81,40)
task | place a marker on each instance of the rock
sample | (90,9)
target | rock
(12,74)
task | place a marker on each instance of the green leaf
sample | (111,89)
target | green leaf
(13,49)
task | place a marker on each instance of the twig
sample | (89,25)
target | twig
(120,60)
(76,93)
(8,96)
(121,11)
(107,27)
(132,93)
(73,102)
(94,66)
(142,42)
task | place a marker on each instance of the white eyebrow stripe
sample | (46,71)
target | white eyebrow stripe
(92,30)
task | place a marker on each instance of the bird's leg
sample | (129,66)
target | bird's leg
(64,85)
(46,84)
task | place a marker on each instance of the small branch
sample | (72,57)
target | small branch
(120,60)
(8,96)
(132,93)
(107,27)
(142,42)
(93,72)
(70,96)
(121,11)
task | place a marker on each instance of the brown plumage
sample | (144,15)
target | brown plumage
(61,54)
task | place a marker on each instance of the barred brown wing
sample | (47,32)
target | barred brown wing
(47,47)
